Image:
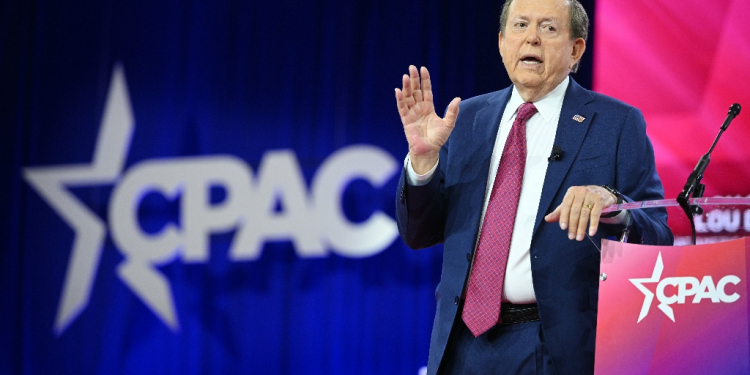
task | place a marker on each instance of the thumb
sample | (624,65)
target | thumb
(452,113)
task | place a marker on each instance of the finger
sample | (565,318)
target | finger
(416,86)
(594,216)
(583,219)
(553,216)
(401,104)
(575,215)
(565,210)
(452,113)
(426,85)
(407,89)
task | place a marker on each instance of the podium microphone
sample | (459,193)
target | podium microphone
(693,184)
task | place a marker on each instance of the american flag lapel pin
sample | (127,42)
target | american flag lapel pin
(578,118)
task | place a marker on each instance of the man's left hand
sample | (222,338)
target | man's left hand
(581,204)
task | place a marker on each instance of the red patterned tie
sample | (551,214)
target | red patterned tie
(483,296)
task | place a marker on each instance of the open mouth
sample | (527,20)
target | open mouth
(531,59)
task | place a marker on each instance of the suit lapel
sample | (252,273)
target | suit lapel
(487,122)
(486,125)
(569,136)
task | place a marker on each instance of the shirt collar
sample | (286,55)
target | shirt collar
(548,106)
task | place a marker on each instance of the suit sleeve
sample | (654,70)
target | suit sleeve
(637,179)
(420,210)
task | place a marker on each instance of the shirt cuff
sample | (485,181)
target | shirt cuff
(415,179)
(620,218)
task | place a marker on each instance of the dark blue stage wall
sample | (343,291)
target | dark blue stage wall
(208,187)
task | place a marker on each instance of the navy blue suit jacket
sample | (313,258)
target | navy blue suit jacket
(609,147)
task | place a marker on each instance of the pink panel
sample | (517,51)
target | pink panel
(709,333)
(682,63)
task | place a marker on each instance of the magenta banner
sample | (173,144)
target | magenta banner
(673,309)
(654,55)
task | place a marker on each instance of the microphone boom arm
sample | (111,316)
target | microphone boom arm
(693,184)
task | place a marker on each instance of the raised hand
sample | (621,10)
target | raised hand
(425,131)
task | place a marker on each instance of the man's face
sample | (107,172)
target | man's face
(536,48)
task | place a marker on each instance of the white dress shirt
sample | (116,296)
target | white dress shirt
(540,136)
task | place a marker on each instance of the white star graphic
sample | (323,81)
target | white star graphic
(52,184)
(649,296)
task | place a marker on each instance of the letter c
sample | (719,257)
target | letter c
(673,281)
(347,238)
(720,288)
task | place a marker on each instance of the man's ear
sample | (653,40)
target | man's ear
(579,47)
(500,42)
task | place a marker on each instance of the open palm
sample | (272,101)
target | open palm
(425,131)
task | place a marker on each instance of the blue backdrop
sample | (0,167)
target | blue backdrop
(200,93)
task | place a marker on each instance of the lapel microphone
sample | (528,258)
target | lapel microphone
(557,153)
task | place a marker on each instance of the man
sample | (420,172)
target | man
(519,294)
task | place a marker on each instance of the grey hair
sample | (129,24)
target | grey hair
(578,21)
